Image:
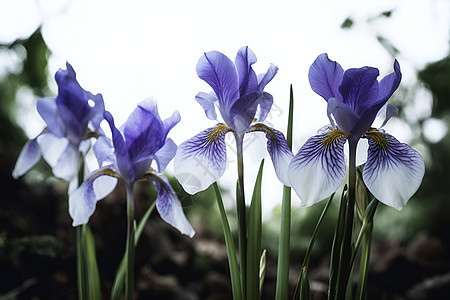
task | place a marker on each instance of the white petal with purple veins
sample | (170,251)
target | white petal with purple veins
(393,171)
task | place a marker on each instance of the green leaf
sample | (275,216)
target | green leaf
(119,281)
(232,260)
(254,239)
(93,276)
(282,284)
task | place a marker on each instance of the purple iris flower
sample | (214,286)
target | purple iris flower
(238,93)
(72,118)
(393,171)
(142,141)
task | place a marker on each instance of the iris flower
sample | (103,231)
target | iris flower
(129,156)
(72,118)
(393,170)
(238,93)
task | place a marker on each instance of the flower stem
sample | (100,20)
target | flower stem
(130,247)
(346,252)
(241,213)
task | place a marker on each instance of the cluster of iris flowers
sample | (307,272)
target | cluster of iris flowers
(140,150)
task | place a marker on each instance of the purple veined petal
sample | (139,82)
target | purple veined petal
(82,201)
(48,111)
(248,82)
(279,151)
(165,154)
(208,102)
(124,163)
(359,89)
(68,163)
(144,132)
(264,79)
(169,207)
(201,160)
(393,171)
(318,169)
(28,157)
(171,121)
(104,151)
(344,116)
(265,104)
(220,73)
(325,77)
(389,84)
(97,110)
(243,111)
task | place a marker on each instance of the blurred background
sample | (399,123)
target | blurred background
(132,51)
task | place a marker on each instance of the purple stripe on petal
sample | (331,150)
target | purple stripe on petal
(325,77)
(393,171)
(201,160)
(169,207)
(318,169)
(220,73)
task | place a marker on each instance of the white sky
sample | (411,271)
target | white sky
(132,50)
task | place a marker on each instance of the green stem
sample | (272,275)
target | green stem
(346,250)
(129,283)
(361,291)
(241,213)
(81,271)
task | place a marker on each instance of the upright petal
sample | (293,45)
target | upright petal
(248,81)
(325,77)
(318,169)
(393,171)
(220,73)
(201,160)
(279,151)
(243,111)
(165,155)
(104,151)
(390,83)
(48,111)
(208,102)
(124,163)
(264,79)
(169,207)
(28,157)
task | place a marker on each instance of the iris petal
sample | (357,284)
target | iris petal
(170,208)
(279,151)
(104,151)
(393,171)
(68,164)
(389,84)
(165,155)
(48,111)
(248,81)
(220,73)
(344,116)
(243,111)
(28,157)
(318,169)
(207,101)
(325,76)
(264,79)
(201,160)
(82,201)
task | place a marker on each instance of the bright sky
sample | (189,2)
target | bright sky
(132,50)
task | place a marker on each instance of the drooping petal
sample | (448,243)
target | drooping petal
(279,151)
(68,163)
(359,89)
(28,157)
(248,81)
(82,201)
(318,169)
(170,208)
(243,111)
(393,171)
(124,163)
(220,73)
(201,160)
(265,105)
(208,101)
(52,147)
(48,111)
(165,155)
(325,76)
(264,79)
